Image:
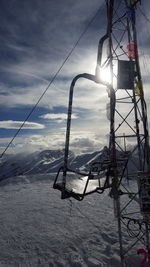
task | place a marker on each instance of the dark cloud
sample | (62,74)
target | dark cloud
(32,28)
(37,35)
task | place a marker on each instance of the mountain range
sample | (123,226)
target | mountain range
(49,161)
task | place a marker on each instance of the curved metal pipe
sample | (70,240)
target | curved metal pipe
(99,54)
(100,48)
(86,76)
(91,78)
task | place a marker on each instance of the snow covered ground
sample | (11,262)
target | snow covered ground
(37,228)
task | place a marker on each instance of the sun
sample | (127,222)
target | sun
(105,75)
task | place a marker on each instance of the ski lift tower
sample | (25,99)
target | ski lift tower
(128,127)
(127,116)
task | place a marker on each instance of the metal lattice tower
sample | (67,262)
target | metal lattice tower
(128,126)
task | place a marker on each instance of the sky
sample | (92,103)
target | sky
(35,38)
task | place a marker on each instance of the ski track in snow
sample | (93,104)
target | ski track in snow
(37,228)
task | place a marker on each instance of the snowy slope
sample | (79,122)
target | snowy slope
(39,229)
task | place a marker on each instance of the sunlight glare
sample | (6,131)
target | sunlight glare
(105,75)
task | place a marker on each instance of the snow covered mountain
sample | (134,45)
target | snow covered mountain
(49,161)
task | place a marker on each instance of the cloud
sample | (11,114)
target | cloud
(34,142)
(86,144)
(58,117)
(80,142)
(36,39)
(16,124)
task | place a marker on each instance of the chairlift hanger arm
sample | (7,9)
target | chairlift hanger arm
(100,49)
(90,77)
(102,40)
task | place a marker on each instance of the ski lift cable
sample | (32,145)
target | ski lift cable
(52,80)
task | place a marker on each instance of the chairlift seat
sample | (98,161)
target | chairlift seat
(80,187)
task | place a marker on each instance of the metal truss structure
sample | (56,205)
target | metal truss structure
(129,128)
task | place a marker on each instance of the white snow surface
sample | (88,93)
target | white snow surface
(37,228)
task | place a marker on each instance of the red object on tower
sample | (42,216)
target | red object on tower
(131,50)
(145,254)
